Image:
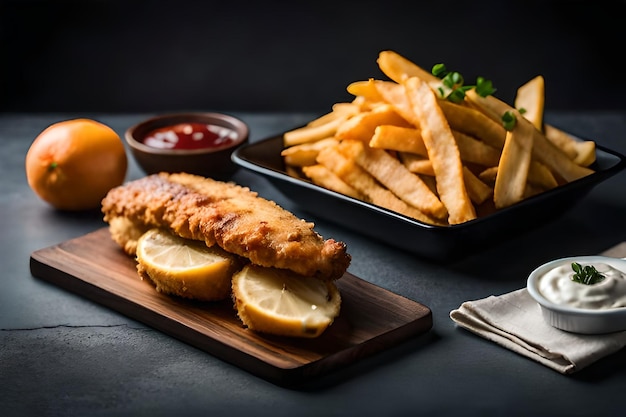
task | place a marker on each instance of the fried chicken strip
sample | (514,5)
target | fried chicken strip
(228,215)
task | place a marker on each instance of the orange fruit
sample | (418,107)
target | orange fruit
(73,164)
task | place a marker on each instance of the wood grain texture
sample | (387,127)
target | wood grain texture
(371,319)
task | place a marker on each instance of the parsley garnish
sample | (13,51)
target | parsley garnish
(509,121)
(484,87)
(454,83)
(587,274)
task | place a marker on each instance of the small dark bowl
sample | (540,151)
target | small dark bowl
(214,162)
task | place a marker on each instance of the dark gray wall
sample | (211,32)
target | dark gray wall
(97,55)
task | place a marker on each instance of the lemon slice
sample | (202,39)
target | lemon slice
(184,267)
(283,303)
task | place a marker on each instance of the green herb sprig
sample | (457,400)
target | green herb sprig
(455,89)
(509,120)
(587,274)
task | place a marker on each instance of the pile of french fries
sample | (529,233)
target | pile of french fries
(402,146)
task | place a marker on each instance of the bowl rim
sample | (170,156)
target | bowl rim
(162,120)
(533,279)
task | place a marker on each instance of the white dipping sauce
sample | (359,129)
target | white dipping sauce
(557,286)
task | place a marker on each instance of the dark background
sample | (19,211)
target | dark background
(157,56)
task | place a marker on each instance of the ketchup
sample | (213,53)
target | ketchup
(190,136)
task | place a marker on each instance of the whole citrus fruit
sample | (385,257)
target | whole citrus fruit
(73,164)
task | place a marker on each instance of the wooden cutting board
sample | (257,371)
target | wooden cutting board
(371,319)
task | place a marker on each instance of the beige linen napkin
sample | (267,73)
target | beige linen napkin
(514,320)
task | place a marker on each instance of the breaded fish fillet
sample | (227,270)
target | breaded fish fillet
(228,215)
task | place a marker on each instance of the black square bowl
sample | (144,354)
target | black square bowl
(430,241)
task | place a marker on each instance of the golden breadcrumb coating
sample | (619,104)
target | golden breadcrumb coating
(126,233)
(230,216)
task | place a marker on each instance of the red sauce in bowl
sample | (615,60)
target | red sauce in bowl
(190,136)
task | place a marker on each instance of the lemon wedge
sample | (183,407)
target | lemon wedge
(184,267)
(283,303)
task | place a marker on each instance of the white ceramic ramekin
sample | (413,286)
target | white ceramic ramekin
(572,319)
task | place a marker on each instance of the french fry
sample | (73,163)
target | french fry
(442,150)
(392,174)
(514,164)
(317,130)
(365,104)
(544,151)
(488,175)
(324,177)
(359,179)
(489,106)
(430,181)
(472,122)
(395,95)
(540,176)
(361,126)
(475,151)
(293,171)
(365,89)
(399,69)
(305,154)
(531,98)
(343,108)
(532,190)
(478,191)
(417,164)
(583,153)
(561,140)
(338,110)
(401,139)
